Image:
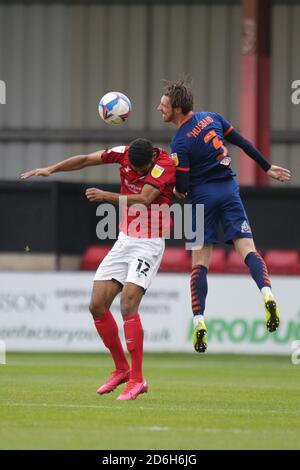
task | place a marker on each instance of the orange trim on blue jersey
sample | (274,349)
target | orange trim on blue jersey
(186,119)
(182,169)
(228,131)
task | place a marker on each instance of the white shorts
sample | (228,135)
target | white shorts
(133,260)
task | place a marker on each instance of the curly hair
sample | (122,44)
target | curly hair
(180,95)
(140,152)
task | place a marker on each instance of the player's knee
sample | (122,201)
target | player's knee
(128,304)
(98,309)
(244,246)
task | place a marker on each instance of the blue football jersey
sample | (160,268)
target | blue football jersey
(200,149)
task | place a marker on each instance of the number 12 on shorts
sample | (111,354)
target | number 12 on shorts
(142,267)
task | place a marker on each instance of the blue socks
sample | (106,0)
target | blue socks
(199,289)
(258,269)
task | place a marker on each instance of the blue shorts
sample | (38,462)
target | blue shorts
(222,204)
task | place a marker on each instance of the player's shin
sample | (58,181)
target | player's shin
(134,335)
(109,333)
(198,294)
(259,272)
(199,290)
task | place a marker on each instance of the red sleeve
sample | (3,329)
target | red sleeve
(114,155)
(161,175)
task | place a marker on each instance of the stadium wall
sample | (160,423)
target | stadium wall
(58,59)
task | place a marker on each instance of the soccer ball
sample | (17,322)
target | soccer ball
(114,107)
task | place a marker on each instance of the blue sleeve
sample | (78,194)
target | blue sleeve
(236,138)
(182,181)
(180,151)
(180,156)
(226,125)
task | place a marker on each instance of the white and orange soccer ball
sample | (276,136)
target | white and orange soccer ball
(114,107)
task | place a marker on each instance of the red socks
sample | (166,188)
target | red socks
(134,335)
(109,333)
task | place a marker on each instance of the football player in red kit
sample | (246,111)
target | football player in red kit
(147,178)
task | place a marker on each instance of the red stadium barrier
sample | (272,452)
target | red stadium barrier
(176,260)
(93,256)
(218,261)
(235,264)
(283,261)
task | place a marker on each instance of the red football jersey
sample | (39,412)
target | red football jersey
(154,220)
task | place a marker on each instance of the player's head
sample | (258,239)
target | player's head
(141,155)
(176,100)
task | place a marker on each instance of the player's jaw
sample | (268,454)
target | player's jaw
(166,109)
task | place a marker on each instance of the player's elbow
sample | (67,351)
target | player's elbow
(146,201)
(141,199)
(182,188)
(182,181)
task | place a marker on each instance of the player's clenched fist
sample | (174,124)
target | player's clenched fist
(94,194)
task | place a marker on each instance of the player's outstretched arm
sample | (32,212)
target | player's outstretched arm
(280,174)
(276,172)
(70,164)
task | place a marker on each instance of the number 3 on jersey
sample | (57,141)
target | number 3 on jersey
(211,135)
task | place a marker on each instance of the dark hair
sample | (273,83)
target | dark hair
(140,152)
(180,95)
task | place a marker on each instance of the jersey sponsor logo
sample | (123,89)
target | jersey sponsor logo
(157,171)
(132,187)
(245,228)
(175,159)
(120,149)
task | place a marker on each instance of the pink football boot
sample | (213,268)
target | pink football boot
(132,390)
(117,377)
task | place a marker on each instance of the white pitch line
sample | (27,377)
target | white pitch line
(59,405)
(146,408)
(207,430)
(233,431)
(148,428)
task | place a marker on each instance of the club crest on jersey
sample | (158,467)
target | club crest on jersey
(245,227)
(157,171)
(174,157)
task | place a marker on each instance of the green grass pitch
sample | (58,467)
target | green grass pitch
(48,401)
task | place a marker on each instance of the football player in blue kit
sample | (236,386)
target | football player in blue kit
(205,173)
